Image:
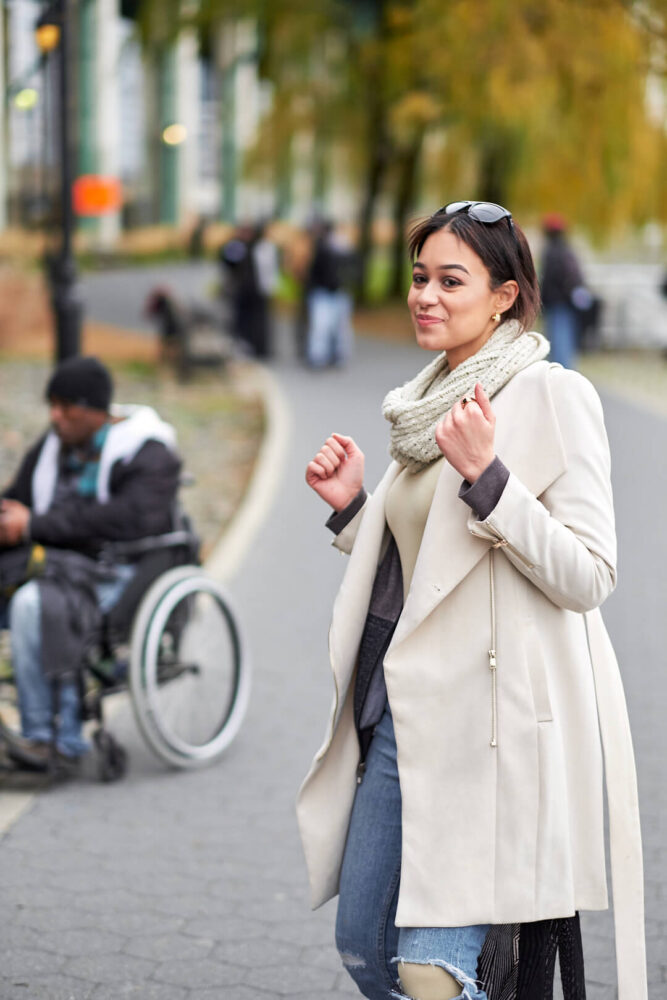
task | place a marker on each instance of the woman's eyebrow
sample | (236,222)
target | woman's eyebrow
(444,267)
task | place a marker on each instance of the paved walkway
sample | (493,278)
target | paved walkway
(191,886)
(119,296)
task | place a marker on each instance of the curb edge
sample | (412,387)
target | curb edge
(229,552)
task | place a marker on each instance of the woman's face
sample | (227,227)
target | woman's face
(451,301)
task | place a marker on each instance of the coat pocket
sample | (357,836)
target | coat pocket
(537,673)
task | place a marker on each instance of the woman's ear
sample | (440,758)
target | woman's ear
(505,296)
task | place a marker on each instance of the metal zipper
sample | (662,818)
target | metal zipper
(492,652)
(502,543)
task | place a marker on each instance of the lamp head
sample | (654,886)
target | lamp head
(47,37)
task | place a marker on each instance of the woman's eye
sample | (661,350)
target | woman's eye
(450,283)
(418,279)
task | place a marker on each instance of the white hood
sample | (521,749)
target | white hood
(138,424)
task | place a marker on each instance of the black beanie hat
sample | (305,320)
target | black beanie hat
(84,381)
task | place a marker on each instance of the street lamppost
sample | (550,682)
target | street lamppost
(52,33)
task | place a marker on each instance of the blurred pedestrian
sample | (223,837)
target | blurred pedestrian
(329,303)
(250,276)
(456,803)
(563,291)
(196,245)
(297,255)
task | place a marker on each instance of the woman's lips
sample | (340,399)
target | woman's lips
(425,320)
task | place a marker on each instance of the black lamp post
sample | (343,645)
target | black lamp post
(52,33)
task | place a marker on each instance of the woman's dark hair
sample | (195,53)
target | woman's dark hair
(502,248)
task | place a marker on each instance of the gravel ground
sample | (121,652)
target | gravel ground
(218,418)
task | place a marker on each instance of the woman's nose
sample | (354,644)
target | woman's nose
(428,292)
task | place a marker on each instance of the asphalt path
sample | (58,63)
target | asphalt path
(118,296)
(191,886)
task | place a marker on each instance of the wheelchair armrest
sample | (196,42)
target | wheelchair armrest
(138,547)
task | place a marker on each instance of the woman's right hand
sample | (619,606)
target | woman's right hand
(337,471)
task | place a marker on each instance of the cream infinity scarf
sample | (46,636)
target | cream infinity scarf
(415,408)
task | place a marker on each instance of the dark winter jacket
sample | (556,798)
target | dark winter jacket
(135,501)
(561,273)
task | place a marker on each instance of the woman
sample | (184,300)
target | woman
(469,658)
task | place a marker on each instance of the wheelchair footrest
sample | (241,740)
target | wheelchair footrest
(111,756)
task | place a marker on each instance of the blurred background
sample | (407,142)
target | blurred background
(172,121)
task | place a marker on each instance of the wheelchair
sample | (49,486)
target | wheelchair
(174,642)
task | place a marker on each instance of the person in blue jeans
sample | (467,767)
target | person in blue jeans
(100,474)
(563,291)
(329,303)
(369,886)
(455,805)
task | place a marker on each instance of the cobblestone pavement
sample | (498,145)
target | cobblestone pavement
(191,886)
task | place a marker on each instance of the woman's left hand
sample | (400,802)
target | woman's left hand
(465,435)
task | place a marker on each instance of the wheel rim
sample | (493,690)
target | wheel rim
(192,717)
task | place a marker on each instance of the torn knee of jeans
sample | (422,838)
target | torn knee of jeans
(351,961)
(470,988)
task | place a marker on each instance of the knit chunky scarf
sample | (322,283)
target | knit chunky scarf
(415,408)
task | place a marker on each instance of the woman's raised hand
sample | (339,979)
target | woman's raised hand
(465,435)
(337,471)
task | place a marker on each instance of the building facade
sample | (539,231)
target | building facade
(171,121)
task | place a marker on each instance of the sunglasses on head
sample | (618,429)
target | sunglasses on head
(482,211)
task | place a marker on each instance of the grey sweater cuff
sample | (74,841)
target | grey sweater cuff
(341,518)
(483,495)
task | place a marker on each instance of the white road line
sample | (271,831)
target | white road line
(12,806)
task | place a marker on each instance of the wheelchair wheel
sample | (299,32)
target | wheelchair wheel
(189,676)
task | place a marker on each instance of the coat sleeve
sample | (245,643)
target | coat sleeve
(142,494)
(20,487)
(564,541)
(344,540)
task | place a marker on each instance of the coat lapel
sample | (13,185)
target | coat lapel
(529,443)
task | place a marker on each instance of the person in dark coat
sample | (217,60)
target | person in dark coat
(98,476)
(329,304)
(250,275)
(561,282)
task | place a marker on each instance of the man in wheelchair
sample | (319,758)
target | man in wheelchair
(100,477)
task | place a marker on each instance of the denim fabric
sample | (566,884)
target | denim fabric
(561,323)
(329,328)
(366,936)
(34,690)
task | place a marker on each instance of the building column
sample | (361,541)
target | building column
(188,114)
(169,155)
(108,125)
(86,92)
(98,132)
(3,122)
(227,65)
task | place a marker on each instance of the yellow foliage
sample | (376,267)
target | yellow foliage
(537,103)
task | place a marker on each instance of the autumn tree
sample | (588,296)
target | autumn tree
(538,104)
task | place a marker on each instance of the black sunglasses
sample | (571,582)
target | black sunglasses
(482,211)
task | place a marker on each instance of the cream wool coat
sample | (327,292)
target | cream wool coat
(510,833)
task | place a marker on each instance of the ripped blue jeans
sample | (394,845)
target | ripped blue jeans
(369,943)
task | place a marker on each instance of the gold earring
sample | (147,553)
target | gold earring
(496,317)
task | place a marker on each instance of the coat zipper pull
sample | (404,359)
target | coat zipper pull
(494,698)
(361,770)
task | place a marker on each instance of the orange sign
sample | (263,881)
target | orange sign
(95,195)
